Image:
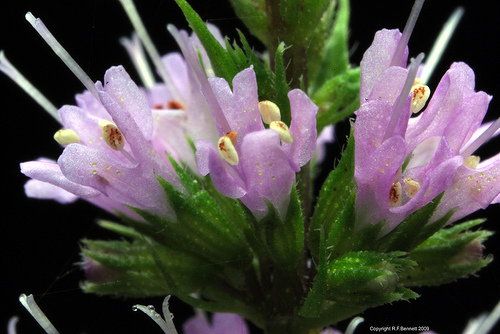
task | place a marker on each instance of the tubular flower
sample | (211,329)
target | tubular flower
(111,162)
(249,161)
(403,162)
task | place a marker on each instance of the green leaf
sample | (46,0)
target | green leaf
(222,63)
(315,300)
(337,98)
(368,279)
(449,254)
(333,55)
(334,198)
(253,14)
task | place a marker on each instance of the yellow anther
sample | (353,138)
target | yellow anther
(395,194)
(412,187)
(103,123)
(472,161)
(421,94)
(269,111)
(282,129)
(226,147)
(113,136)
(66,136)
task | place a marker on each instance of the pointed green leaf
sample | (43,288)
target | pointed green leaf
(337,98)
(334,197)
(334,56)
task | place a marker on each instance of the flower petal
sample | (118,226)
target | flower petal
(302,128)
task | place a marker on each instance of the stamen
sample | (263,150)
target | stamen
(136,53)
(269,111)
(35,311)
(412,187)
(66,136)
(405,37)
(62,53)
(485,136)
(166,325)
(441,43)
(134,17)
(395,194)
(353,324)
(472,161)
(282,129)
(398,109)
(16,76)
(114,138)
(226,147)
(421,94)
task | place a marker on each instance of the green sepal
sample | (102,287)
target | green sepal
(368,278)
(127,268)
(281,84)
(313,305)
(328,53)
(414,229)
(337,98)
(449,254)
(204,225)
(333,197)
(222,64)
(281,238)
(253,14)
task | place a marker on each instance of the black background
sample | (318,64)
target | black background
(39,245)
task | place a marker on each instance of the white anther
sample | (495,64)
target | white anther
(472,161)
(412,187)
(421,94)
(269,111)
(226,147)
(395,194)
(112,136)
(66,136)
(282,129)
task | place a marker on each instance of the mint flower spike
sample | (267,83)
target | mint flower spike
(249,161)
(166,325)
(32,307)
(402,163)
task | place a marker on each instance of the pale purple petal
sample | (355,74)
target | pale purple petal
(444,106)
(224,176)
(124,92)
(222,323)
(377,58)
(50,172)
(88,102)
(240,106)
(44,190)
(128,184)
(302,128)
(472,189)
(325,137)
(388,85)
(267,172)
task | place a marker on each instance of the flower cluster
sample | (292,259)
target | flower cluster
(210,171)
